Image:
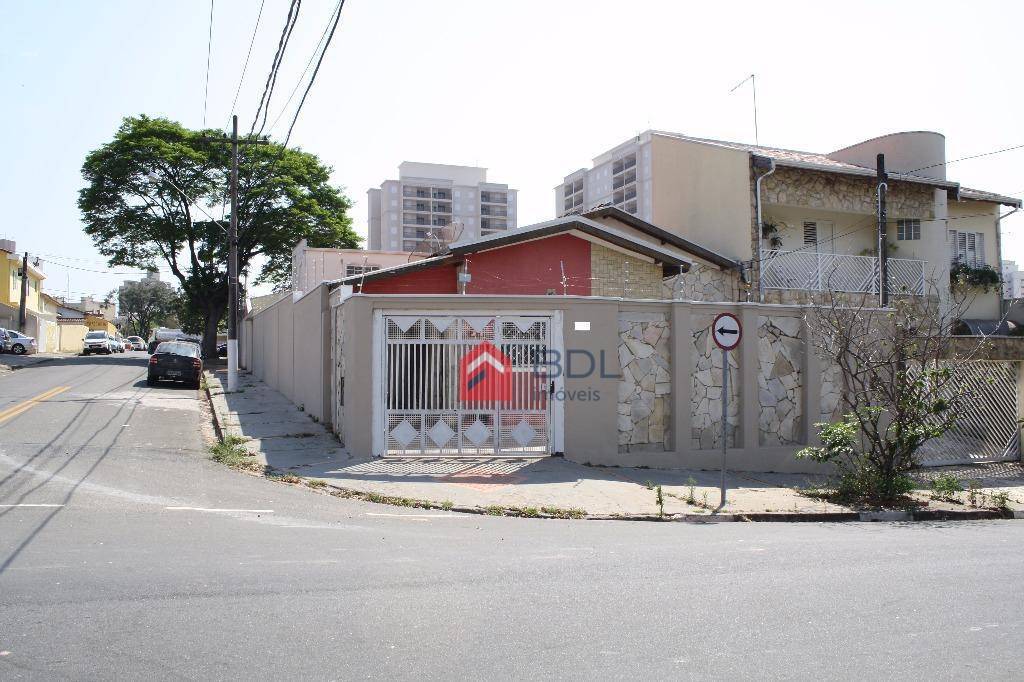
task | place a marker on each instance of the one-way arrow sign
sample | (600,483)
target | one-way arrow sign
(726,331)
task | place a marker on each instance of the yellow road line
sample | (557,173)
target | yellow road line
(31,402)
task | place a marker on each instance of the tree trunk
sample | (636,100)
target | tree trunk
(211,319)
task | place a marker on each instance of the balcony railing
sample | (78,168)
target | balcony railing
(810,271)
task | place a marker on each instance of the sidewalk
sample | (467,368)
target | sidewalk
(288,441)
(10,362)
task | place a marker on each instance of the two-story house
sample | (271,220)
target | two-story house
(10,289)
(805,223)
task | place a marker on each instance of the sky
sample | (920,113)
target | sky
(530,90)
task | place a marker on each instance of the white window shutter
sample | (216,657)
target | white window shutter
(810,232)
(979,250)
(951,241)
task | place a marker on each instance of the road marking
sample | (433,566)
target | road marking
(27,504)
(31,402)
(212,509)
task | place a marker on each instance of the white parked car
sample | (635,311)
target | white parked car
(17,343)
(97,342)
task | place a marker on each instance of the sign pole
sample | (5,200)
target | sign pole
(726,331)
(725,416)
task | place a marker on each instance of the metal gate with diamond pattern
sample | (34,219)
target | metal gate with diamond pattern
(423,411)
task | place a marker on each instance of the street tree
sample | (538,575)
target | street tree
(149,190)
(902,384)
(146,304)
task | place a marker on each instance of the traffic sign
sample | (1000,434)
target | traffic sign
(727,331)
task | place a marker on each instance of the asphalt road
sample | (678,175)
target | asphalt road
(148,560)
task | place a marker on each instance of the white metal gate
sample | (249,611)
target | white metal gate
(987,431)
(424,411)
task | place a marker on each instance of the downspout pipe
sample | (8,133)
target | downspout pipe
(1003,303)
(760,162)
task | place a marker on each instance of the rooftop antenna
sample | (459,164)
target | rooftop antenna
(753,84)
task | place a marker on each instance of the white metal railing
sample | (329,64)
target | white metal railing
(815,271)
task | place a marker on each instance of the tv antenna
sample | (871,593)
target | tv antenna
(753,85)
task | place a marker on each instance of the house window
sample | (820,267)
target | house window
(908,229)
(359,269)
(810,233)
(967,248)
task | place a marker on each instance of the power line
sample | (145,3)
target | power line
(282,45)
(209,50)
(245,66)
(312,79)
(302,77)
(964,158)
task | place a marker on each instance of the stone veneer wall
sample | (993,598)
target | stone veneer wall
(703,283)
(851,194)
(706,386)
(831,191)
(619,275)
(831,387)
(780,380)
(645,387)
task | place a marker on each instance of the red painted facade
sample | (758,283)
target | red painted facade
(436,280)
(532,268)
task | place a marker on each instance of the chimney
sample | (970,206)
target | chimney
(8,245)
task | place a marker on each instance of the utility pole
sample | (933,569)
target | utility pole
(883,238)
(22,316)
(233,264)
(233,253)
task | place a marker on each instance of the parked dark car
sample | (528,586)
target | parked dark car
(222,350)
(175,361)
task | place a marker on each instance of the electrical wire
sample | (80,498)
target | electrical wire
(245,66)
(312,79)
(302,77)
(963,158)
(209,51)
(282,45)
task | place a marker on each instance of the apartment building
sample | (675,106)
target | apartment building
(1013,280)
(432,202)
(804,222)
(621,177)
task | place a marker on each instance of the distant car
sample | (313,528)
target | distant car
(17,343)
(97,342)
(175,361)
(222,350)
(116,345)
(138,343)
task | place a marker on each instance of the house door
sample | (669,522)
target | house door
(465,385)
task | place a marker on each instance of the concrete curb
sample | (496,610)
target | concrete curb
(217,430)
(753,517)
(889,516)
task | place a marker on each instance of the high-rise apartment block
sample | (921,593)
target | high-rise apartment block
(620,177)
(431,202)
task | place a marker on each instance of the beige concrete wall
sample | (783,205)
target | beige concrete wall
(702,192)
(978,216)
(71,337)
(286,345)
(763,438)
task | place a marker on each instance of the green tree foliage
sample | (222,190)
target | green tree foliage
(141,205)
(145,305)
(902,386)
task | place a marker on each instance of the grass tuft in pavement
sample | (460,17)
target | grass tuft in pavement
(231,451)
